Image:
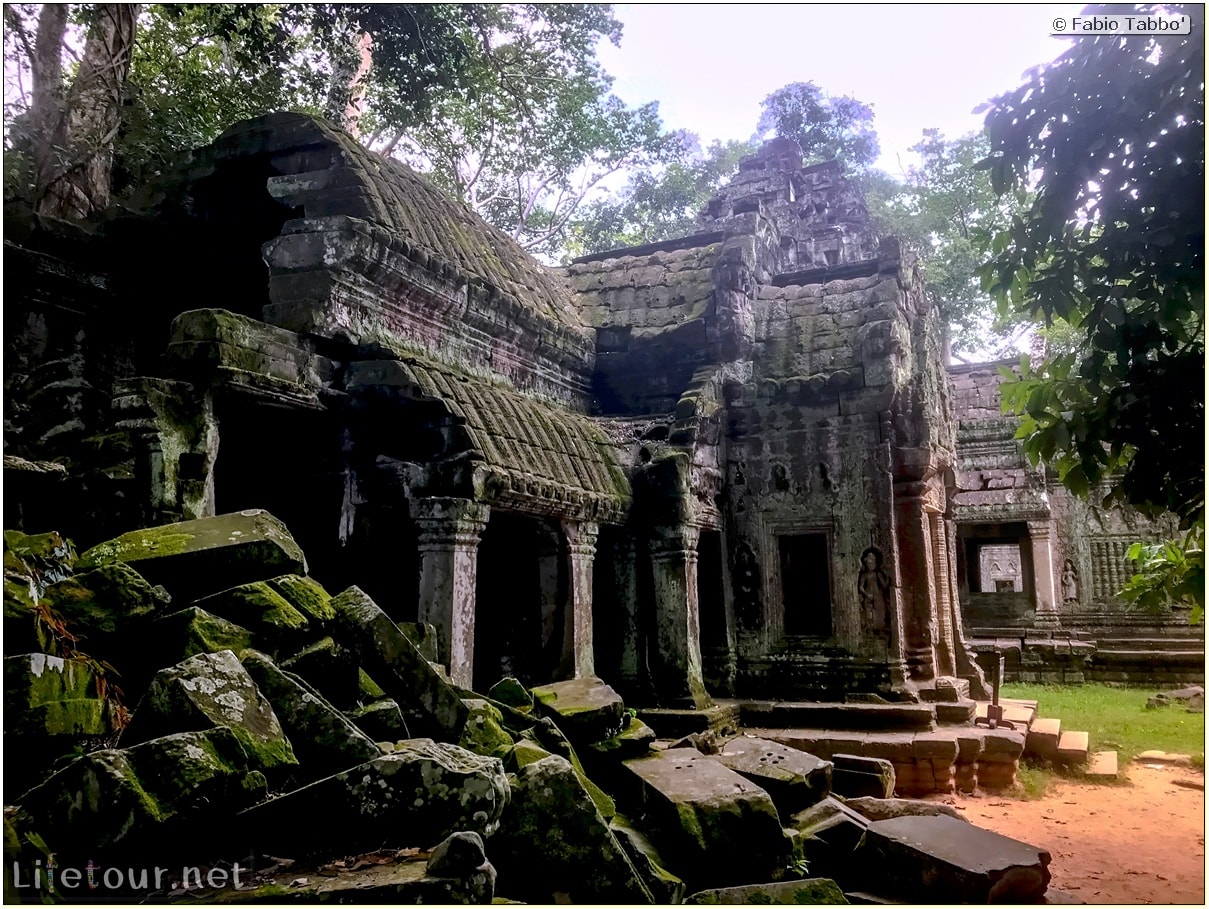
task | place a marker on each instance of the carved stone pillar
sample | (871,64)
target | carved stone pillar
(1043,575)
(946,663)
(577,659)
(920,627)
(676,660)
(449,539)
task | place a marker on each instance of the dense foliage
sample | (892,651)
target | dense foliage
(505,106)
(1112,136)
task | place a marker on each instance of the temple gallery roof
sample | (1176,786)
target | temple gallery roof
(538,456)
(347,179)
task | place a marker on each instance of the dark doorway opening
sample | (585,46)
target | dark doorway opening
(806,584)
(711,604)
(520,597)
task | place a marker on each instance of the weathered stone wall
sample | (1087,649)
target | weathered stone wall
(651,314)
(1085,543)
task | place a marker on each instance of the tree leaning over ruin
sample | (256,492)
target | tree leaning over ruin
(1113,245)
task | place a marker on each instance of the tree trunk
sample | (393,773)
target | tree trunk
(346,97)
(74,153)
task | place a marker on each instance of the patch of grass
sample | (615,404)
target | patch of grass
(1032,781)
(1116,719)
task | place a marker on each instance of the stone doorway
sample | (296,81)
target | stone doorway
(805,565)
(520,597)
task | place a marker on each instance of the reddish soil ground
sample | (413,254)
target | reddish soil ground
(1140,841)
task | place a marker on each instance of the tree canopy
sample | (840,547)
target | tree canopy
(504,105)
(825,126)
(1111,137)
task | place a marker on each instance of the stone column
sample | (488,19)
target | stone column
(449,539)
(946,647)
(676,662)
(577,639)
(916,576)
(1043,575)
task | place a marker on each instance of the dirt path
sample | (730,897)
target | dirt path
(1142,842)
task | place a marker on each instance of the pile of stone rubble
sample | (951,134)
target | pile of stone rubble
(266,740)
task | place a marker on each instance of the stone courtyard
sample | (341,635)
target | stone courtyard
(694,554)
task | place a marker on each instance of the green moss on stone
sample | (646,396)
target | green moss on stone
(483,733)
(368,688)
(258,606)
(306,595)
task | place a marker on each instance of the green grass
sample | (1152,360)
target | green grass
(1116,719)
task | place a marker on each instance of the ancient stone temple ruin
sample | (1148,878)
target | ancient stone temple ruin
(732,464)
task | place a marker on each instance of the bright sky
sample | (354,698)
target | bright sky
(918,66)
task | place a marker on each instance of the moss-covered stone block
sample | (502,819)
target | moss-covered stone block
(306,595)
(146,797)
(483,733)
(106,600)
(259,607)
(46,695)
(524,752)
(331,670)
(324,741)
(430,705)
(586,709)
(511,692)
(634,740)
(664,886)
(380,720)
(714,827)
(415,796)
(548,735)
(190,631)
(195,558)
(208,690)
(809,892)
(553,841)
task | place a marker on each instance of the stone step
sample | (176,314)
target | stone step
(1072,747)
(675,723)
(866,717)
(1102,765)
(1019,713)
(960,713)
(1043,736)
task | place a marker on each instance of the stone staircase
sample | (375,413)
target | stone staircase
(1046,739)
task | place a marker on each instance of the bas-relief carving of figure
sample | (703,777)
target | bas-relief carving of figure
(1070,582)
(873,585)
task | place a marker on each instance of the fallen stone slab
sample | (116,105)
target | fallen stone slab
(828,834)
(48,696)
(458,871)
(943,860)
(1191,697)
(380,720)
(807,892)
(1102,765)
(665,887)
(415,796)
(306,595)
(714,827)
(634,740)
(1162,757)
(324,740)
(331,670)
(106,600)
(879,809)
(195,558)
(188,632)
(586,709)
(430,705)
(209,690)
(793,778)
(154,797)
(261,609)
(484,733)
(856,776)
(553,840)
